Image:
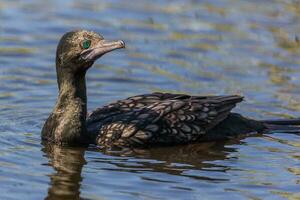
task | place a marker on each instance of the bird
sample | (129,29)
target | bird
(148,120)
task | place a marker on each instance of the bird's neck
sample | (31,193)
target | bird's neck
(67,122)
(72,90)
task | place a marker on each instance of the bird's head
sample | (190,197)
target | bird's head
(78,50)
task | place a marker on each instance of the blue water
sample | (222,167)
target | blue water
(196,47)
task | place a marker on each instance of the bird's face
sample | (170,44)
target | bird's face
(78,50)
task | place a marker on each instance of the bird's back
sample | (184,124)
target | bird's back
(158,119)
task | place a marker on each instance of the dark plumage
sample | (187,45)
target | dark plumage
(159,118)
(144,120)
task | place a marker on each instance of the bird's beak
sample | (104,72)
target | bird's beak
(103,47)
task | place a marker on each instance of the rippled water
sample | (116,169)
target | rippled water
(197,47)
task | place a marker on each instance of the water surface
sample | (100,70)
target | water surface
(197,47)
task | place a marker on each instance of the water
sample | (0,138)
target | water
(196,47)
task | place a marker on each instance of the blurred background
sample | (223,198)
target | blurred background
(242,47)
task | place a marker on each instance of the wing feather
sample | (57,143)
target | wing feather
(160,118)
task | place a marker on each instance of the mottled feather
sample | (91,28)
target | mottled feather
(158,119)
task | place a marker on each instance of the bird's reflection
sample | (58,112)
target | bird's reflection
(67,163)
(172,160)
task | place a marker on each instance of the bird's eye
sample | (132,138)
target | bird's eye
(86,44)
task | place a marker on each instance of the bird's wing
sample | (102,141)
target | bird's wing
(130,104)
(179,119)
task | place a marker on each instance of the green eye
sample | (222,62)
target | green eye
(86,44)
